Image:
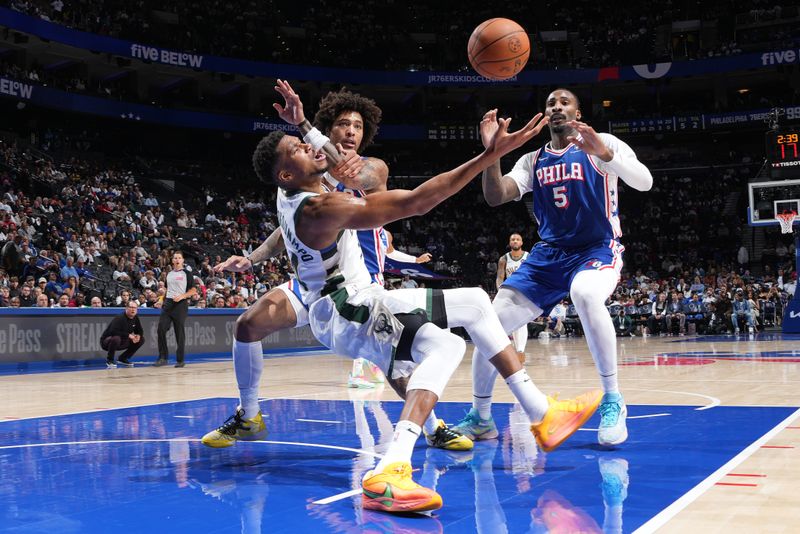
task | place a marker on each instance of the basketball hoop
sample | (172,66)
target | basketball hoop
(786,219)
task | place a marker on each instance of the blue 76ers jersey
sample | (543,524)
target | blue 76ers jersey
(374,243)
(575,202)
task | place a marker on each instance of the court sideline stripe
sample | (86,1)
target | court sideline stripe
(693,494)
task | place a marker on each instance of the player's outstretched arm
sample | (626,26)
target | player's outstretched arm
(324,215)
(271,247)
(614,155)
(497,189)
(346,166)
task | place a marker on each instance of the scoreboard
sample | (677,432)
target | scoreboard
(783,152)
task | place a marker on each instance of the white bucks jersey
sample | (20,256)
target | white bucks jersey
(512,264)
(319,272)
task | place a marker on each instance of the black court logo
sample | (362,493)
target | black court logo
(382,324)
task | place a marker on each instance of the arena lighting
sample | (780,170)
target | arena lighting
(743,91)
(607,103)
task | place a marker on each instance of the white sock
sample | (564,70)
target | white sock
(248,363)
(484,375)
(431,423)
(533,401)
(483,405)
(589,291)
(402,445)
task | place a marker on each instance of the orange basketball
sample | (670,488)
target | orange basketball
(498,48)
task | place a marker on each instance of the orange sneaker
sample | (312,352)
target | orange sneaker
(564,417)
(393,490)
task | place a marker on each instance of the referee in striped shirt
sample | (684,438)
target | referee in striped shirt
(180,288)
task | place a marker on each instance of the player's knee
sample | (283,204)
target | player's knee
(248,328)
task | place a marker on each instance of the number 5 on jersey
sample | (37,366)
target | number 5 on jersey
(560,196)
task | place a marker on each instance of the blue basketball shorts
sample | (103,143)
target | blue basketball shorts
(546,276)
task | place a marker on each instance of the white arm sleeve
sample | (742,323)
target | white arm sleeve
(625,164)
(522,173)
(401,256)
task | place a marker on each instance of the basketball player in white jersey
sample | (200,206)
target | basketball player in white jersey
(351,121)
(573,179)
(506,265)
(355,317)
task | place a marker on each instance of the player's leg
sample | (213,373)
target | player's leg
(512,309)
(276,310)
(520,337)
(589,290)
(553,421)
(437,433)
(435,355)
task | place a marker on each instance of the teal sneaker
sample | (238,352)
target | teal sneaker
(615,480)
(613,412)
(475,428)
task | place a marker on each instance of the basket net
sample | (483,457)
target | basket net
(786,219)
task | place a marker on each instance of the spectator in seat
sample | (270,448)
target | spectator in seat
(623,325)
(42,301)
(124,332)
(26,299)
(657,322)
(741,310)
(675,311)
(69,269)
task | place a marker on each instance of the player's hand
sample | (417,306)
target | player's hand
(177,298)
(503,142)
(349,165)
(292,112)
(234,264)
(488,127)
(586,139)
(424,258)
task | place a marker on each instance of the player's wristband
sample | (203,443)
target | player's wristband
(316,139)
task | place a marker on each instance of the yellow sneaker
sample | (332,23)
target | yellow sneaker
(236,428)
(447,438)
(564,417)
(393,490)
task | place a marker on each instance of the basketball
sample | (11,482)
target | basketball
(498,48)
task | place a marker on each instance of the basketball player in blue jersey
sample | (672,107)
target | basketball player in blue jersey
(573,179)
(506,265)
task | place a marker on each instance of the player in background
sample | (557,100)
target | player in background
(575,201)
(506,265)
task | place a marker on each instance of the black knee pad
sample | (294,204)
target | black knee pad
(411,322)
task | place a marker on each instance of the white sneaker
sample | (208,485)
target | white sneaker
(359,382)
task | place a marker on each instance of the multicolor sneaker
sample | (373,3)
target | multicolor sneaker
(236,428)
(475,428)
(448,438)
(564,418)
(393,490)
(360,382)
(615,480)
(373,373)
(613,412)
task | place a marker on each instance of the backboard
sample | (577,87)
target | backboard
(769,198)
